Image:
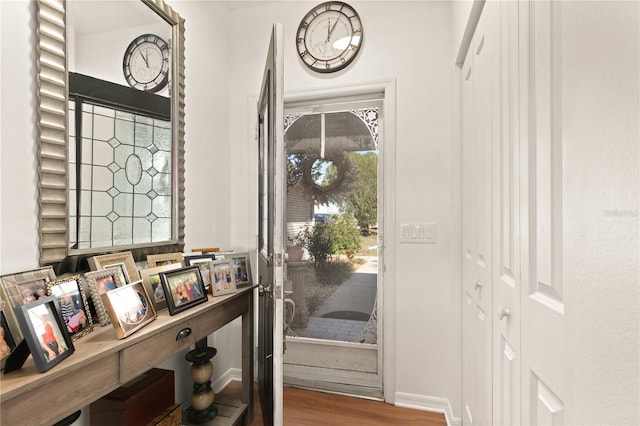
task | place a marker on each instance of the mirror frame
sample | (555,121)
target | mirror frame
(52,98)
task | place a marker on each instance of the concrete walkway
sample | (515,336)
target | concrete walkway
(356,294)
(345,313)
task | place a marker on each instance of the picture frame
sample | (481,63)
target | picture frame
(204,262)
(28,286)
(8,311)
(153,284)
(241,266)
(7,341)
(183,288)
(122,260)
(72,301)
(100,282)
(45,332)
(222,278)
(129,308)
(162,259)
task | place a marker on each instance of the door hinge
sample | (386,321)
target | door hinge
(278,259)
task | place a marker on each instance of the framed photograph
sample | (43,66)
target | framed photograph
(153,286)
(69,293)
(162,259)
(7,342)
(203,261)
(241,266)
(28,286)
(129,309)
(223,278)
(183,288)
(45,332)
(100,282)
(123,260)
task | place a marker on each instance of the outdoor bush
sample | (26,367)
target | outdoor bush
(323,240)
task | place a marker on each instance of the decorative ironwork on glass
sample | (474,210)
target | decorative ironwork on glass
(369,117)
(289,119)
(120,177)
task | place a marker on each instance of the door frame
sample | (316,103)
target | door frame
(386,304)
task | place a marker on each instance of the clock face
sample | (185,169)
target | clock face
(329,37)
(146,63)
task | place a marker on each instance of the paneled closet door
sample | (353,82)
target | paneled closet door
(506,223)
(542,295)
(479,130)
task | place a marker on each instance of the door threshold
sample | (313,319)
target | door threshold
(343,389)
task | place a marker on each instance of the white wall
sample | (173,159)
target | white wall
(601,197)
(411,42)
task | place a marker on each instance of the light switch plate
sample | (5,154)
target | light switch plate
(418,233)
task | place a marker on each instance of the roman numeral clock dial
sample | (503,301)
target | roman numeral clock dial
(329,37)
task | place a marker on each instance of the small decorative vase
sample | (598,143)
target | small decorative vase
(202,409)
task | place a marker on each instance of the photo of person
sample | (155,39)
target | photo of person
(158,292)
(223,277)
(72,305)
(32,291)
(184,288)
(130,306)
(7,343)
(105,284)
(240,269)
(49,335)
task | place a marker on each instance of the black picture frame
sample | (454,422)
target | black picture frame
(205,263)
(45,317)
(183,288)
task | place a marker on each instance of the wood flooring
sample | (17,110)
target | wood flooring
(309,408)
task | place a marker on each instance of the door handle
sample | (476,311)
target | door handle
(503,313)
(262,290)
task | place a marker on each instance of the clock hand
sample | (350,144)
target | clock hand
(333,28)
(328,30)
(146,60)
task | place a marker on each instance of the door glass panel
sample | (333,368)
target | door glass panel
(332,205)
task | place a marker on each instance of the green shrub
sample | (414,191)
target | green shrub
(324,240)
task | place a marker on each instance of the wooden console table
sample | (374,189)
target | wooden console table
(102,363)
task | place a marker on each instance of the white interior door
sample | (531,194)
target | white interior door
(542,295)
(479,131)
(506,223)
(271,186)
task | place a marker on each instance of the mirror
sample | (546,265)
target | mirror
(111,156)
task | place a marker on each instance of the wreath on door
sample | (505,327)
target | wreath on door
(302,172)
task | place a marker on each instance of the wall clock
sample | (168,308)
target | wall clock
(329,36)
(146,63)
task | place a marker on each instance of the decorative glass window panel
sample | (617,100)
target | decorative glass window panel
(120,187)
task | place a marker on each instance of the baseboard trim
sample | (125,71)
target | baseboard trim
(428,403)
(226,378)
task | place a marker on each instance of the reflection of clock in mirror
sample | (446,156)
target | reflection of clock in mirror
(329,36)
(146,63)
